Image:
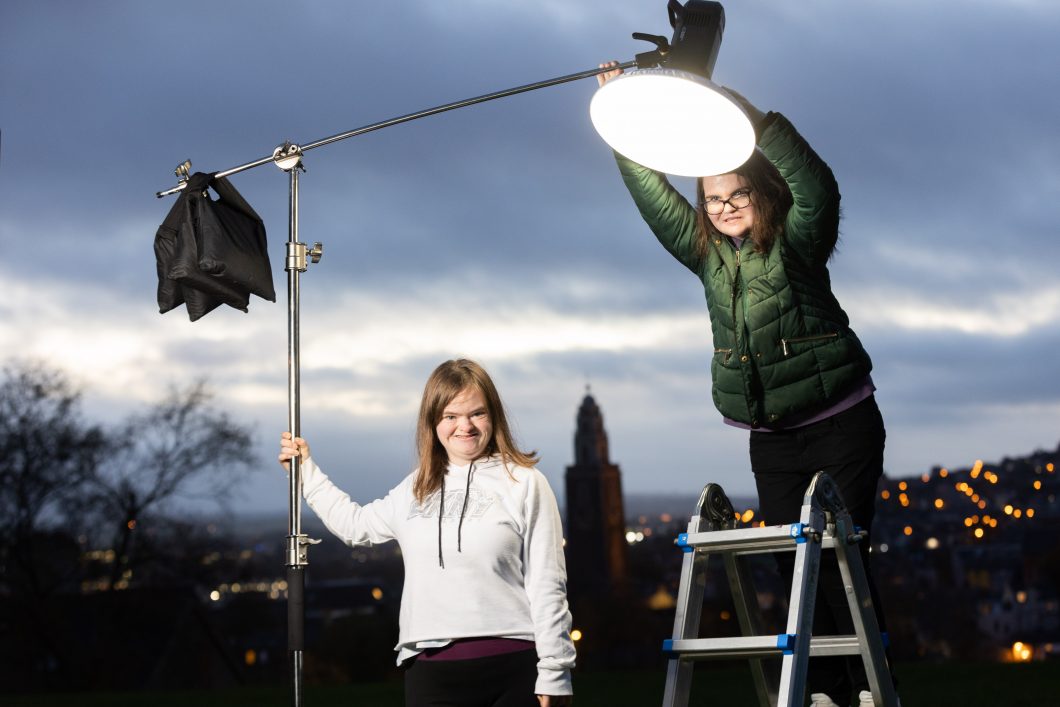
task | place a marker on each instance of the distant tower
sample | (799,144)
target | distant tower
(596,529)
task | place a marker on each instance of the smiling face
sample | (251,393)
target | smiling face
(465,430)
(731,222)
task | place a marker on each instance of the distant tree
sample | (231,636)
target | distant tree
(181,449)
(47,455)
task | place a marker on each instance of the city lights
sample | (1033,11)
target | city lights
(1021,652)
(1007,493)
(634,536)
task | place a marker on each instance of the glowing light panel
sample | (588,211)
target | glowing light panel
(672,121)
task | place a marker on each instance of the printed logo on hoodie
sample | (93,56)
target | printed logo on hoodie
(477,505)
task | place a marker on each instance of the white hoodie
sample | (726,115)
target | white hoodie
(507,578)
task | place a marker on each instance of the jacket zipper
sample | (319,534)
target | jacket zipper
(743,297)
(803,339)
(732,305)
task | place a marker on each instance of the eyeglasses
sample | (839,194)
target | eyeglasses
(738,200)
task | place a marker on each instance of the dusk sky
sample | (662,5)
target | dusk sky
(502,232)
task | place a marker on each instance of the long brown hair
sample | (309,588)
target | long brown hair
(446,382)
(770,197)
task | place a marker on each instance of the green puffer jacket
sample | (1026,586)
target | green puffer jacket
(782,343)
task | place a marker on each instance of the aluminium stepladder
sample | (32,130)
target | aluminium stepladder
(823,523)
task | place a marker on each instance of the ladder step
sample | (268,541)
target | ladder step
(757,646)
(751,540)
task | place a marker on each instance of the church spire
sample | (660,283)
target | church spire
(597,562)
(590,437)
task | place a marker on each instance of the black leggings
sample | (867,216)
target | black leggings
(505,680)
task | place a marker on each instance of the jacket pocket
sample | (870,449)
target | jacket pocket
(785,344)
(725,354)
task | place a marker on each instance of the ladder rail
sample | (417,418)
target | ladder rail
(866,627)
(794,664)
(686,622)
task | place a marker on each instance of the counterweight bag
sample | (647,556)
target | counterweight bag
(209,253)
(232,241)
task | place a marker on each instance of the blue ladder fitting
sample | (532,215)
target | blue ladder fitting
(798,531)
(668,646)
(682,542)
(786,642)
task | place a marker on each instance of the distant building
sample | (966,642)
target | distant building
(597,561)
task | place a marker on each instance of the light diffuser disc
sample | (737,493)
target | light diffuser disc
(672,121)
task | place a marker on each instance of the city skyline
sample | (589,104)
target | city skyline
(503,233)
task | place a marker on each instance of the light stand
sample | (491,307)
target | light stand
(288,157)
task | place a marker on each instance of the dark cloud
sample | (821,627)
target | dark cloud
(957,370)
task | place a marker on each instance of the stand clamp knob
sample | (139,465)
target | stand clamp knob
(299,255)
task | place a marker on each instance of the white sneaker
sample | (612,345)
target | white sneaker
(819,699)
(865,699)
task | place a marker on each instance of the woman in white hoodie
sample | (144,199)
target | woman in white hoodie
(484,616)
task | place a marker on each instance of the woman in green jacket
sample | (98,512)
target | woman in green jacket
(786,364)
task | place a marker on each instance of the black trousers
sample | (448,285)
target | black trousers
(505,680)
(849,448)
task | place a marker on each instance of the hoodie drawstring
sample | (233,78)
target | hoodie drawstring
(463,512)
(463,509)
(441,512)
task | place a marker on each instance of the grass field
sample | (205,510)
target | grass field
(724,685)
